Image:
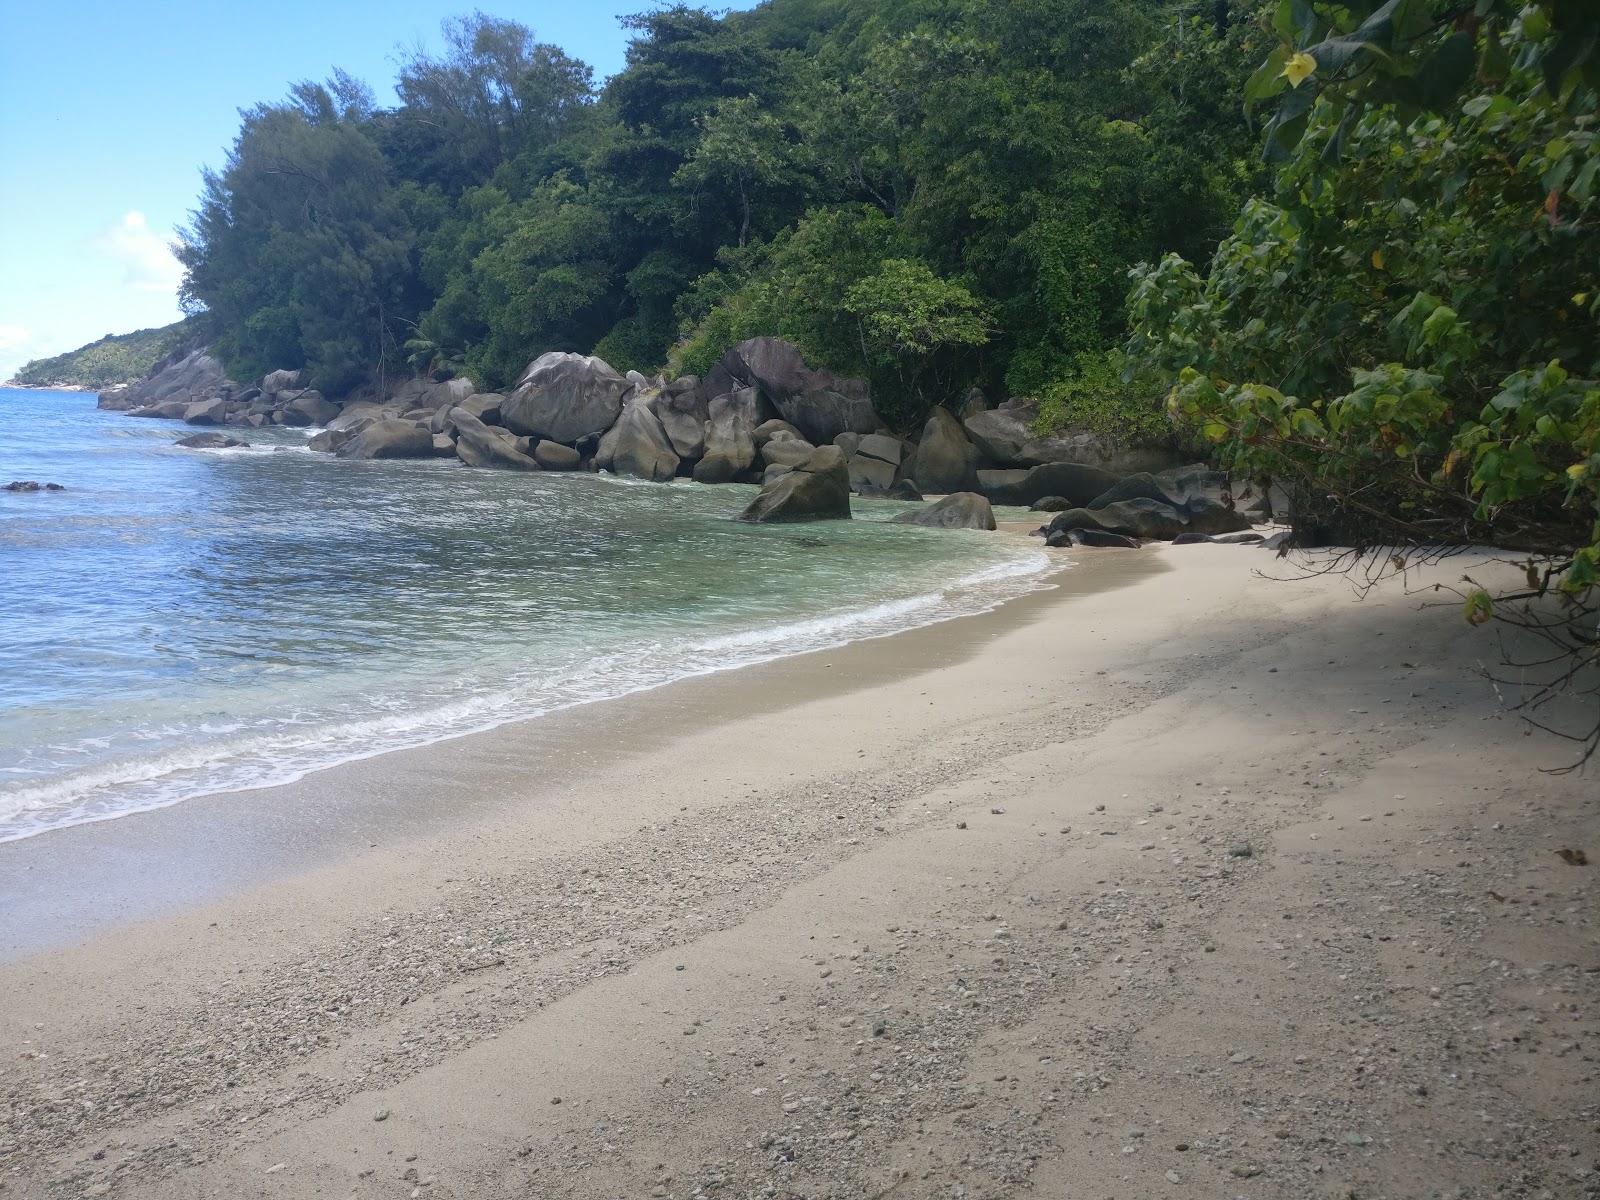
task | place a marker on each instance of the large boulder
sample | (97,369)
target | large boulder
(213,411)
(356,417)
(786,452)
(564,397)
(731,436)
(553,456)
(1076,482)
(186,376)
(1197,493)
(330,440)
(389,439)
(945,461)
(274,383)
(210,441)
(1006,438)
(309,408)
(1139,517)
(816,490)
(683,413)
(961,510)
(480,445)
(1001,433)
(868,472)
(819,404)
(637,445)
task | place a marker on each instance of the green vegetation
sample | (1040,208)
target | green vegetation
(115,358)
(931,193)
(1408,328)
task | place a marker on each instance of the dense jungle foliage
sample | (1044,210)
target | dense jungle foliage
(931,193)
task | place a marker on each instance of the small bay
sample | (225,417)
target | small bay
(180,622)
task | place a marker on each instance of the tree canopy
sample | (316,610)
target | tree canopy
(932,193)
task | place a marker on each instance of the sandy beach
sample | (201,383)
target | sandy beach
(1170,881)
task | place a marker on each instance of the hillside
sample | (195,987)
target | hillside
(115,358)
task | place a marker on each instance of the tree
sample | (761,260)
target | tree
(298,249)
(1409,332)
(914,323)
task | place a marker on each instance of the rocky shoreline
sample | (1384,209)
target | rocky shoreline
(810,438)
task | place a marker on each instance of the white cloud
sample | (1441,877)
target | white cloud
(146,259)
(17,346)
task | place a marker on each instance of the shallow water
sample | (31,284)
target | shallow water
(180,622)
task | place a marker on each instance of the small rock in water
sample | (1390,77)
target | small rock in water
(1241,850)
(381,1115)
(999,812)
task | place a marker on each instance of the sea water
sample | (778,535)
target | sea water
(182,622)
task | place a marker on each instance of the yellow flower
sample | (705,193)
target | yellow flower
(1299,68)
(1576,470)
(1377,259)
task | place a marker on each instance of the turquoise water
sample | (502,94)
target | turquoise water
(181,622)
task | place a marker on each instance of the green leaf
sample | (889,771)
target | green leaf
(1446,71)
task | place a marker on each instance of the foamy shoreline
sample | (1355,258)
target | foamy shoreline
(965,907)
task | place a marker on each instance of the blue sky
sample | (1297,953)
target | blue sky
(108,110)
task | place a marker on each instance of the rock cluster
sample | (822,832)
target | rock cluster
(760,415)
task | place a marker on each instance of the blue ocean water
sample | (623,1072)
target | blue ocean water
(181,622)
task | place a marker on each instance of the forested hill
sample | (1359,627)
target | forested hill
(114,359)
(931,193)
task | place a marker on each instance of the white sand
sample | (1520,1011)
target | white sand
(737,927)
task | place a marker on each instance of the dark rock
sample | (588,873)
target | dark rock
(444,446)
(274,383)
(483,405)
(480,445)
(637,445)
(819,404)
(868,472)
(210,441)
(1192,539)
(553,456)
(330,440)
(881,447)
(973,403)
(213,411)
(777,427)
(1100,539)
(1074,481)
(118,399)
(944,460)
(356,417)
(1001,433)
(773,472)
(185,377)
(683,413)
(816,490)
(848,442)
(170,410)
(24,485)
(905,490)
(563,397)
(1051,504)
(730,436)
(786,451)
(311,406)
(1206,515)
(961,510)
(389,439)
(1139,518)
